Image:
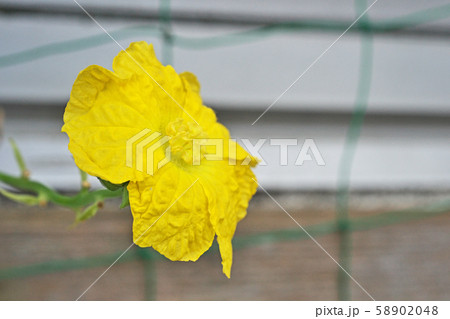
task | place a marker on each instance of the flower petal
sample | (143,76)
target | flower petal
(192,81)
(229,189)
(193,106)
(106,109)
(171,214)
(139,60)
(103,113)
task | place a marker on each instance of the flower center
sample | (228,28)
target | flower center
(182,134)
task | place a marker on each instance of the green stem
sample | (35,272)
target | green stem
(19,159)
(77,201)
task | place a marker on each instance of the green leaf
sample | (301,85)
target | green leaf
(125,198)
(21,198)
(19,159)
(88,213)
(111,186)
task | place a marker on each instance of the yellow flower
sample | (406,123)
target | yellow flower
(181,206)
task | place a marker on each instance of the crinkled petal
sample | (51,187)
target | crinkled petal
(248,184)
(106,109)
(171,214)
(195,111)
(229,188)
(191,80)
(139,60)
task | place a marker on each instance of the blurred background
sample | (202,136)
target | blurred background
(376,103)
